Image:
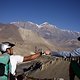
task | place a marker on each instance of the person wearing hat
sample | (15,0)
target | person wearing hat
(74,67)
(7,47)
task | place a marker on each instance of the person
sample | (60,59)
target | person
(74,67)
(7,47)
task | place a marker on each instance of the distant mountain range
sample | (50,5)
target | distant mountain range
(62,39)
(28,35)
(26,40)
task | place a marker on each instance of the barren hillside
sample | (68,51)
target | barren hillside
(52,69)
(32,40)
(25,40)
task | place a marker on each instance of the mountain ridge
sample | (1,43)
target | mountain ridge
(41,25)
(57,38)
(53,34)
(25,40)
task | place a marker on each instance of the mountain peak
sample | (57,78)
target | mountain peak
(45,23)
(48,24)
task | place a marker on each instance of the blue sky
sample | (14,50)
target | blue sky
(65,14)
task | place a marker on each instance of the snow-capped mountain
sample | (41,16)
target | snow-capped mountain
(56,36)
(25,39)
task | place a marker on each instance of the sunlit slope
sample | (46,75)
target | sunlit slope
(32,40)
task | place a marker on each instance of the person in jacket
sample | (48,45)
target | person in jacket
(74,67)
(7,47)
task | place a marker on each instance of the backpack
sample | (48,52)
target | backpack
(4,65)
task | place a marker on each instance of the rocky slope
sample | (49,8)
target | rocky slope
(67,40)
(25,40)
(52,69)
